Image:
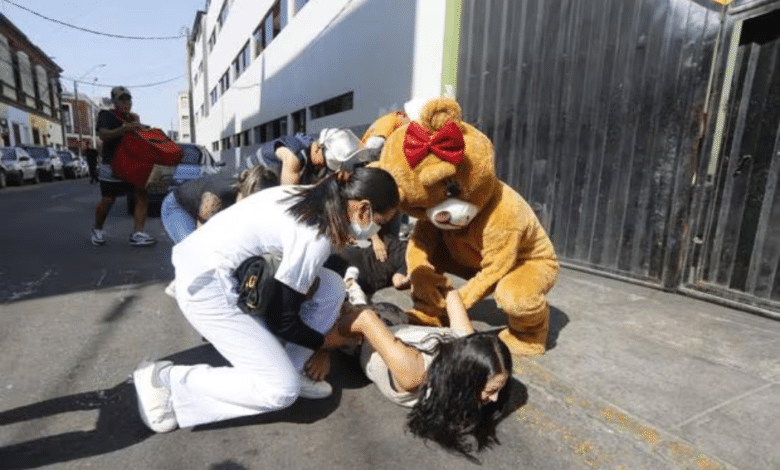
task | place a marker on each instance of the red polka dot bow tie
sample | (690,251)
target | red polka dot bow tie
(447,144)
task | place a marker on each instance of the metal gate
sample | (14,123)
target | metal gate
(736,253)
(595,109)
(645,133)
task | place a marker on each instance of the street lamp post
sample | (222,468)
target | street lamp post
(76,102)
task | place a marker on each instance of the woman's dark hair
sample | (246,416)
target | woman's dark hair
(449,411)
(324,205)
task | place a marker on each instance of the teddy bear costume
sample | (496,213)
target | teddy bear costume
(469,224)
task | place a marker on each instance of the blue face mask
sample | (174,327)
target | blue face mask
(364,233)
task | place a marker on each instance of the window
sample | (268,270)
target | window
(270,27)
(223,13)
(215,146)
(259,132)
(270,130)
(259,39)
(224,82)
(67,118)
(246,137)
(279,127)
(212,39)
(332,106)
(214,95)
(237,140)
(242,61)
(299,121)
(226,143)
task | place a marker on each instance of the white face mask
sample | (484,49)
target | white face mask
(364,233)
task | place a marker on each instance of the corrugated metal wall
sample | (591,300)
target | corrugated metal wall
(597,111)
(739,227)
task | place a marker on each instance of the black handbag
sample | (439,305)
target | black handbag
(255,278)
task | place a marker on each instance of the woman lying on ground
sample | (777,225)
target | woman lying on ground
(455,380)
(300,225)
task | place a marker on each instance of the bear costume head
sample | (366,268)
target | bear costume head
(437,159)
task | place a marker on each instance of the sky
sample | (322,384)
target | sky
(128,62)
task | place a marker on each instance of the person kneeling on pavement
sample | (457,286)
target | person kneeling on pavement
(300,225)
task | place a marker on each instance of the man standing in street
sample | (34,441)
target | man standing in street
(111,126)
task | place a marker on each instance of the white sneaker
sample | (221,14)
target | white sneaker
(355,294)
(142,239)
(314,390)
(154,398)
(98,237)
(170,290)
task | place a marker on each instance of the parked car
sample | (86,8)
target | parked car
(70,164)
(49,163)
(197,162)
(84,166)
(17,166)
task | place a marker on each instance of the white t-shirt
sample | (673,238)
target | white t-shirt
(253,226)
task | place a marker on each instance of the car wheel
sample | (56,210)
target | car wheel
(130,204)
(20,179)
(3,180)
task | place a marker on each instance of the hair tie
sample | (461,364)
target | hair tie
(343,177)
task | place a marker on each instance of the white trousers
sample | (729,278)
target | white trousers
(263,375)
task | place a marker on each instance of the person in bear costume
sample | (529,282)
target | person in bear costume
(470,224)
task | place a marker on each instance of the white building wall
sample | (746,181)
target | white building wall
(384,51)
(183,116)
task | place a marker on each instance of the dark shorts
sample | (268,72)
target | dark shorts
(115,189)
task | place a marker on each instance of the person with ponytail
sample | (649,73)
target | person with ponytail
(455,380)
(284,354)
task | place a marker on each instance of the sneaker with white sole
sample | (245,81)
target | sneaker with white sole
(170,290)
(314,390)
(355,294)
(154,398)
(98,237)
(142,239)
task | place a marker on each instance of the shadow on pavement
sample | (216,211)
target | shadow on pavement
(486,311)
(119,425)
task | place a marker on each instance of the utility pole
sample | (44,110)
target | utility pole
(77,112)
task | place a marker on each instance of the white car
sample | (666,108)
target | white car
(49,163)
(70,164)
(17,166)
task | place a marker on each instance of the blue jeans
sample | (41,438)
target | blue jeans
(177,222)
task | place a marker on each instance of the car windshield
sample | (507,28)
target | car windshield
(38,153)
(192,155)
(9,154)
(65,156)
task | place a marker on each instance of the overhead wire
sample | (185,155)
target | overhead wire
(99,33)
(145,85)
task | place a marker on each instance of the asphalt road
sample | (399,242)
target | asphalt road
(76,319)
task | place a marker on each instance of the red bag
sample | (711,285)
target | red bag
(140,150)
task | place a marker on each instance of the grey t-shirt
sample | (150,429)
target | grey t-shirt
(419,337)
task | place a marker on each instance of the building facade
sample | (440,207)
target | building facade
(183,116)
(29,91)
(78,120)
(259,69)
